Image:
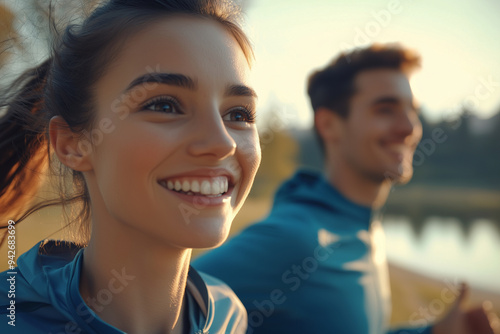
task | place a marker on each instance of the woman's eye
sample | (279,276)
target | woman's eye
(163,104)
(239,115)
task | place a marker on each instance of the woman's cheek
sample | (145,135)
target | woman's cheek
(257,153)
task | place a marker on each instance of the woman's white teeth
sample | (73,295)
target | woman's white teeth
(214,186)
(206,188)
(195,187)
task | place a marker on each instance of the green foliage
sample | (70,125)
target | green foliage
(468,157)
(279,150)
(7,34)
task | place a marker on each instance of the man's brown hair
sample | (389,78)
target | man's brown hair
(333,86)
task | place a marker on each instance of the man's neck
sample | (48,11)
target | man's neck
(362,191)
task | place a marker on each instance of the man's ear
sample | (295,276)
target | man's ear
(328,124)
(69,147)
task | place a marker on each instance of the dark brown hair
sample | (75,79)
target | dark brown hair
(333,86)
(62,86)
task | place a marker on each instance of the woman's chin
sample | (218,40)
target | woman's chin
(208,234)
(204,242)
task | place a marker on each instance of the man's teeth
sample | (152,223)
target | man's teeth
(214,186)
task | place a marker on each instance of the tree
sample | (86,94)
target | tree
(7,36)
(278,154)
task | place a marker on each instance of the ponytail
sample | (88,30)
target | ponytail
(23,142)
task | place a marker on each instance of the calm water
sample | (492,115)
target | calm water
(444,250)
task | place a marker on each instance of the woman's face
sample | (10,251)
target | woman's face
(175,147)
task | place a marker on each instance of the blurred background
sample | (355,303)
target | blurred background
(444,226)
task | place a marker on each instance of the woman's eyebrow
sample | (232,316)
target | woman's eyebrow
(180,80)
(172,79)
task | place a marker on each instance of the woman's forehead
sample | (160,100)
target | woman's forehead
(195,47)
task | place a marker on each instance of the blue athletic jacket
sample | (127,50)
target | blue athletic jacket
(42,295)
(316,264)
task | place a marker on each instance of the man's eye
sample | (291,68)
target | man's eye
(385,110)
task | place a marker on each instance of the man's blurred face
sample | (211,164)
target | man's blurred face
(382,129)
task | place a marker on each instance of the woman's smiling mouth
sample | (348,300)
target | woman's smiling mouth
(198,186)
(203,188)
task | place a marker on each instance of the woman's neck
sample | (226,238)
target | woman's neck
(134,282)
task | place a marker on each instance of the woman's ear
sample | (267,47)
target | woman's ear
(328,124)
(70,148)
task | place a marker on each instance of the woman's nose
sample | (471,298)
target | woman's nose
(211,138)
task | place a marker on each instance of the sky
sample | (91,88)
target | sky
(458,42)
